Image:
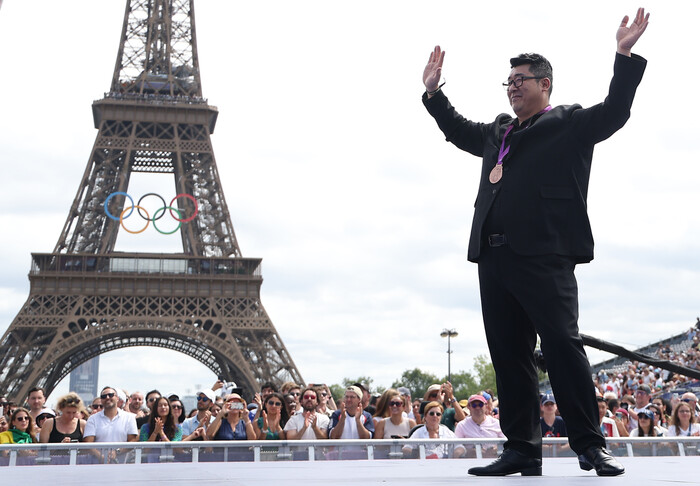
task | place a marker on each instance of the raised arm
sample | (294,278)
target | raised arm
(627,37)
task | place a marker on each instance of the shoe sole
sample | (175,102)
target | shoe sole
(587,467)
(533,471)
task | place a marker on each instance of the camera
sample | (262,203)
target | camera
(236,406)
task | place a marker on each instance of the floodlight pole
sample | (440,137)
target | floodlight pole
(449,333)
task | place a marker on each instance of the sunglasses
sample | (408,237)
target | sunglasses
(97,405)
(309,397)
(476,405)
(177,407)
(644,417)
(105,396)
(202,398)
(435,414)
(274,404)
(295,394)
(686,400)
(395,404)
(153,399)
(22,419)
(324,394)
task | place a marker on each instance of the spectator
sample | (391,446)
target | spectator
(642,397)
(135,404)
(479,423)
(270,425)
(665,407)
(287,386)
(151,398)
(646,427)
(607,425)
(4,426)
(406,396)
(195,427)
(381,409)
(308,423)
(161,425)
(396,424)
(3,407)
(68,426)
(683,422)
(45,414)
(366,397)
(415,406)
(111,424)
(326,404)
(691,400)
(291,404)
(96,405)
(453,413)
(178,409)
(232,421)
(551,424)
(622,421)
(350,421)
(21,429)
(433,429)
(657,419)
(36,401)
(267,389)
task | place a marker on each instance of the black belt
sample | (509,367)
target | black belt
(497,240)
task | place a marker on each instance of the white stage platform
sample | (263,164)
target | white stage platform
(556,471)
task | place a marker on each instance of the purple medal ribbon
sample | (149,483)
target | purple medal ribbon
(504,151)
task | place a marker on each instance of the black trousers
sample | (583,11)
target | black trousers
(522,297)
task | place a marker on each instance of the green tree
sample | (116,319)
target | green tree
(417,381)
(463,384)
(485,373)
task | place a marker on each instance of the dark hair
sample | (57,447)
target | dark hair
(36,389)
(30,427)
(539,66)
(284,416)
(270,385)
(175,398)
(169,426)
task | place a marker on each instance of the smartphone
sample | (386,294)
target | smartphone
(236,406)
(619,415)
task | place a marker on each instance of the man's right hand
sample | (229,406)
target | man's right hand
(433,70)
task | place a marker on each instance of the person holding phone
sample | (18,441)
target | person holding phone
(232,421)
(68,426)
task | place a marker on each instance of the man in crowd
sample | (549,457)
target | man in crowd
(530,230)
(350,421)
(479,423)
(326,405)
(443,394)
(551,424)
(96,405)
(151,398)
(136,404)
(642,398)
(307,423)
(198,424)
(36,401)
(110,425)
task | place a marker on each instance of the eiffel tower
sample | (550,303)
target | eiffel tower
(87,299)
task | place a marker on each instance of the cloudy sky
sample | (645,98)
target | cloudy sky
(337,177)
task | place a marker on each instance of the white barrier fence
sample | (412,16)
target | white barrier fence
(313,450)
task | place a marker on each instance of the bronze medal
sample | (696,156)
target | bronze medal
(496,174)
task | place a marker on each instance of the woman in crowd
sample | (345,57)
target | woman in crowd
(290,404)
(658,418)
(382,408)
(21,428)
(270,424)
(4,426)
(646,426)
(683,421)
(69,425)
(432,413)
(178,409)
(161,425)
(416,411)
(395,425)
(232,421)
(665,408)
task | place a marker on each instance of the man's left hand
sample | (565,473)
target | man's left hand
(627,37)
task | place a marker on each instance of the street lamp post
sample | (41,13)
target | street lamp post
(449,333)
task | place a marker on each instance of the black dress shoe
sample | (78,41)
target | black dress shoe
(510,462)
(600,459)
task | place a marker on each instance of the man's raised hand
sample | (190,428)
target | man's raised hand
(433,70)
(627,37)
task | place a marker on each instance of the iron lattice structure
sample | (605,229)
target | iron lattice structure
(86,299)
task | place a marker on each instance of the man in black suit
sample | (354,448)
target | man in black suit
(530,229)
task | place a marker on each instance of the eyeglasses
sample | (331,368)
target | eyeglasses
(433,395)
(97,405)
(22,419)
(517,81)
(202,398)
(72,401)
(644,417)
(687,400)
(395,404)
(153,399)
(435,414)
(476,404)
(295,394)
(105,396)
(177,407)
(274,404)
(324,394)
(309,397)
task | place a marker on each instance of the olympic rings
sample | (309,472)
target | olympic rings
(159,213)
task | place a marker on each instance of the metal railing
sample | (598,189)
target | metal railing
(12,455)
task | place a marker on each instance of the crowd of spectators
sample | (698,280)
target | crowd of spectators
(637,401)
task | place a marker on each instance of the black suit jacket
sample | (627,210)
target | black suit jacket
(544,186)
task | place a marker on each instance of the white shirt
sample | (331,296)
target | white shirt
(105,429)
(436,450)
(296,423)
